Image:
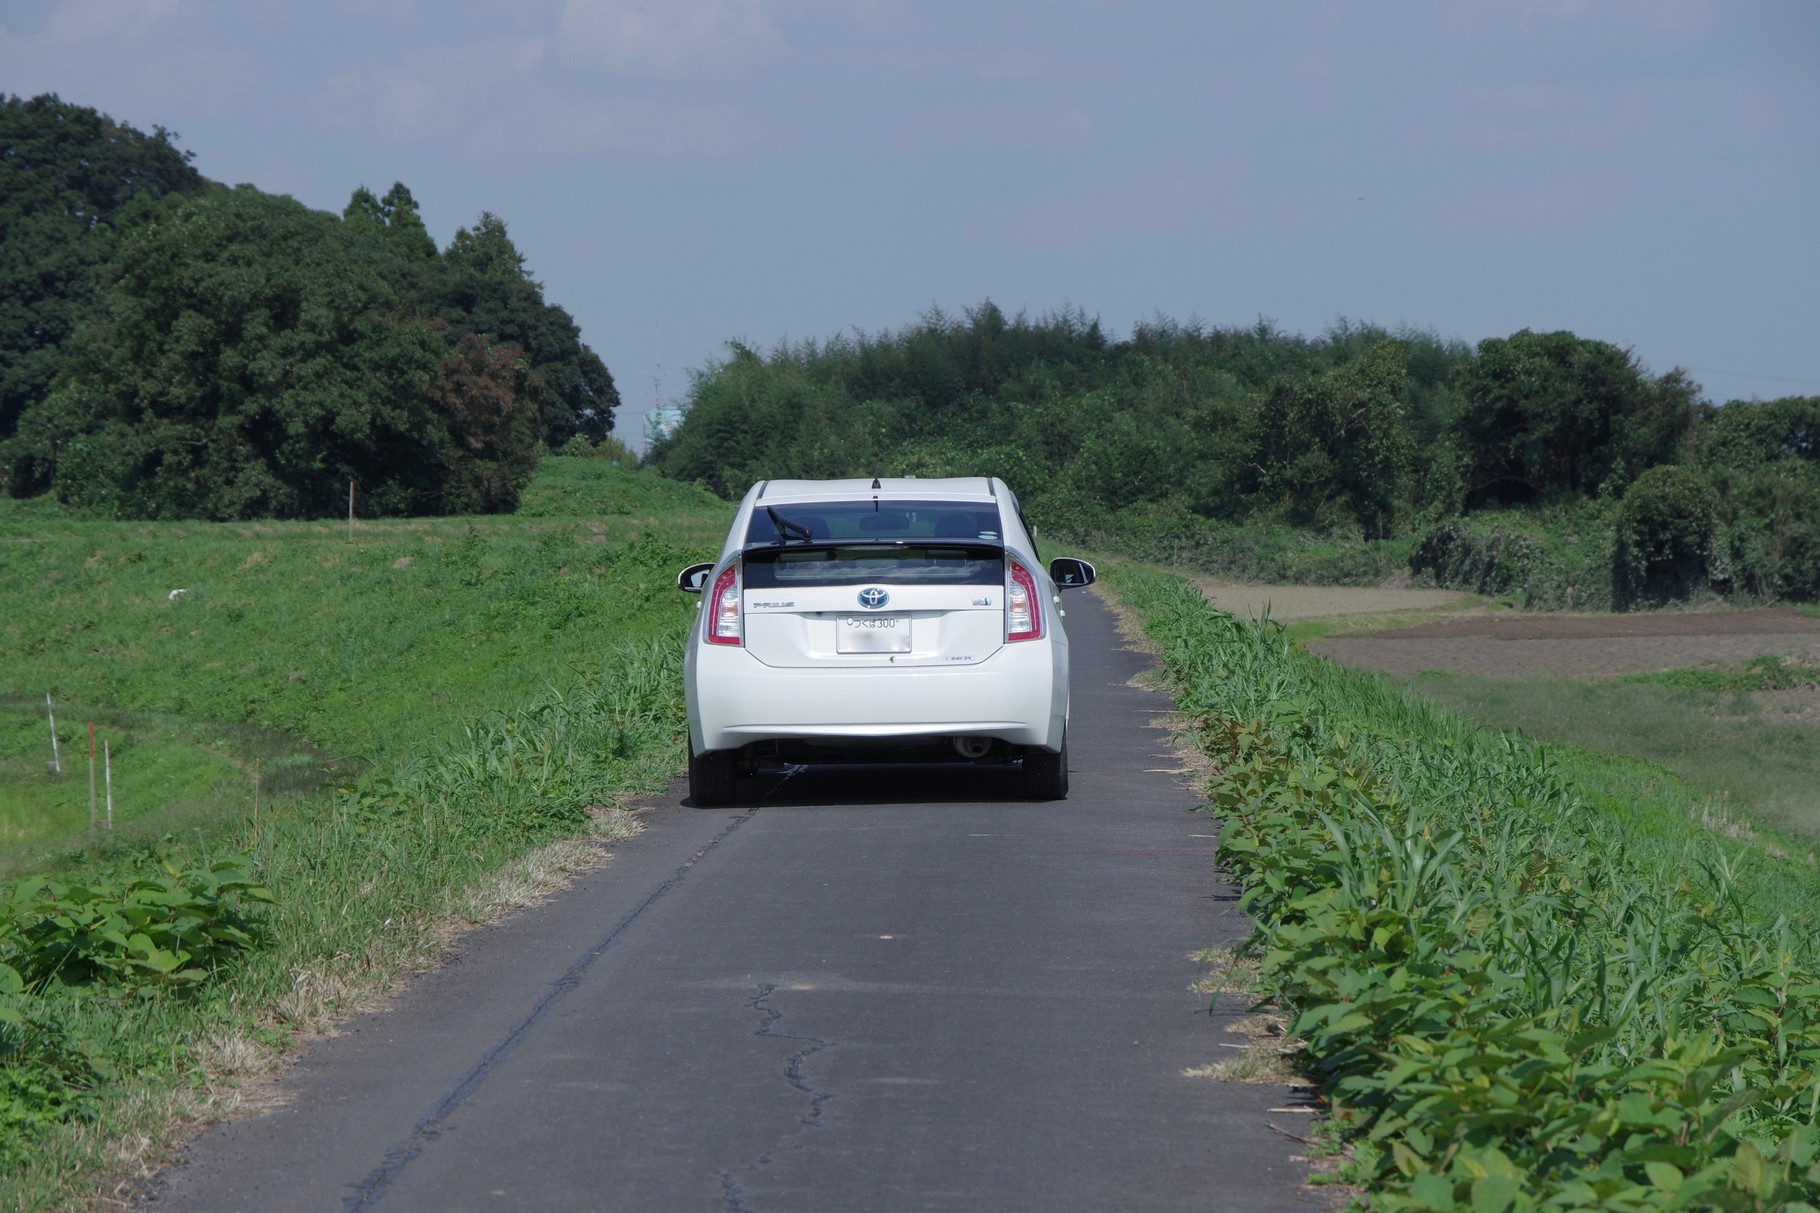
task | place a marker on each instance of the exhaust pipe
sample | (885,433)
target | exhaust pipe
(972,747)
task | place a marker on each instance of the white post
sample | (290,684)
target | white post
(56,755)
(107,764)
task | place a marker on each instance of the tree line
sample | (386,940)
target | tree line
(1185,440)
(173,348)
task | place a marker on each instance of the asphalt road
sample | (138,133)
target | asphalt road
(899,989)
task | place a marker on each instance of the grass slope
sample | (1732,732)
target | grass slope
(385,735)
(364,651)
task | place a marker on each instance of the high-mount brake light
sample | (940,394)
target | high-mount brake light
(1023,606)
(723,605)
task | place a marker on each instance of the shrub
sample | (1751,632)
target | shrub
(1555,561)
(1665,532)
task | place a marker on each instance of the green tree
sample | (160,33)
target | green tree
(493,403)
(67,176)
(485,288)
(1549,415)
(396,214)
(250,358)
(1751,434)
(1338,442)
(1763,457)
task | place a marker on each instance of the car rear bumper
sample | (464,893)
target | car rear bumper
(1017,696)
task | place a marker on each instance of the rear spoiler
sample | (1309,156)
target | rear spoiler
(981,547)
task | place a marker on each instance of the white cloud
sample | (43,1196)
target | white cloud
(81,20)
(669,36)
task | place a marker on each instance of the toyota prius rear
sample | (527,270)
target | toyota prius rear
(883,620)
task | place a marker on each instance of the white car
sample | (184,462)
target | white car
(878,620)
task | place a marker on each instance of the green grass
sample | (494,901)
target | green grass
(364,650)
(1306,631)
(380,727)
(162,781)
(1766,673)
(1744,764)
(589,487)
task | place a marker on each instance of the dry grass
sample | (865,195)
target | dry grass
(532,878)
(1229,969)
(1264,1053)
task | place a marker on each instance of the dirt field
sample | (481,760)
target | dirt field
(1288,603)
(1461,637)
(1531,646)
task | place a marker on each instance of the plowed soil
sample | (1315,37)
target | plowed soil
(1463,638)
(1529,646)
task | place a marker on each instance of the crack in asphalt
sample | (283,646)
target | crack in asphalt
(731,1188)
(371,1189)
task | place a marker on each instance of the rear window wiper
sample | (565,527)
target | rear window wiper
(787,530)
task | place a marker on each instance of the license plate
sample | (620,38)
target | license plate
(873,634)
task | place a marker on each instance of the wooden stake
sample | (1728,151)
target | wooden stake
(350,511)
(56,755)
(91,774)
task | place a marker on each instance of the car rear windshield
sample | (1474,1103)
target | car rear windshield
(812,521)
(891,563)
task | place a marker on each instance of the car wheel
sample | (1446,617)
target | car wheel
(1046,774)
(711,779)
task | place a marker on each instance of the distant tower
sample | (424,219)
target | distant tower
(661,423)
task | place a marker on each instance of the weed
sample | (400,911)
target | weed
(1766,673)
(1516,996)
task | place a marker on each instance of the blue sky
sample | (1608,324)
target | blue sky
(680,173)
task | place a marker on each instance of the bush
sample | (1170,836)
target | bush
(1665,534)
(1553,562)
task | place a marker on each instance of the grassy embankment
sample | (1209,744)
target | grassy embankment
(380,735)
(1527,977)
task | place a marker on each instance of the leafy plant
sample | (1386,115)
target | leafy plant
(1513,999)
(165,930)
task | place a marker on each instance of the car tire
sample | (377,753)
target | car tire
(1046,774)
(712,781)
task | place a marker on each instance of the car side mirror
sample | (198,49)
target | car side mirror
(691,579)
(1069,573)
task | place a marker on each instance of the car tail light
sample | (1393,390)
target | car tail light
(1023,607)
(723,625)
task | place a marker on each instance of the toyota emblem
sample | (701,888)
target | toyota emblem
(873,598)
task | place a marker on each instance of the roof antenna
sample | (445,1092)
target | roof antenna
(875,483)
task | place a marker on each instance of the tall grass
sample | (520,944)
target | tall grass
(1516,993)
